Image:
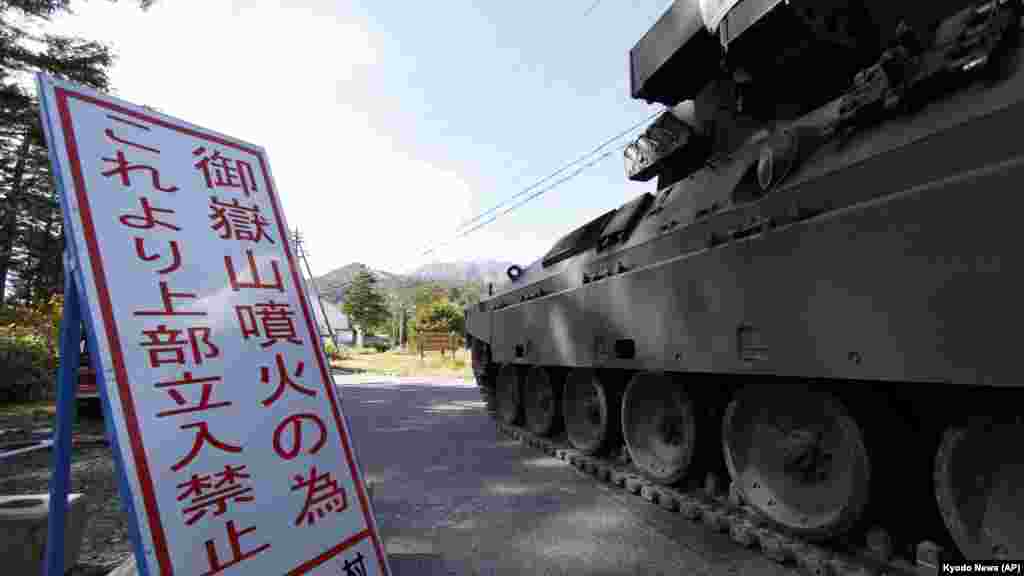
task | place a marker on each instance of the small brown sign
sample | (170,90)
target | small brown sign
(437,341)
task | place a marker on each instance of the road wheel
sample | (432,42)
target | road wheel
(797,457)
(659,427)
(486,377)
(979,486)
(509,394)
(541,401)
(490,402)
(591,411)
(480,358)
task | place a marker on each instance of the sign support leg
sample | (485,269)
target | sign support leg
(70,340)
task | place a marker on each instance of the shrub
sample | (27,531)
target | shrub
(336,353)
(332,351)
(28,348)
(41,320)
(30,368)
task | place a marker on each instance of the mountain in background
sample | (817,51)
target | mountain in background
(482,272)
(332,285)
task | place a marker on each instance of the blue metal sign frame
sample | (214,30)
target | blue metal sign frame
(75,312)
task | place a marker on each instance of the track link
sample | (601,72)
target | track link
(727,515)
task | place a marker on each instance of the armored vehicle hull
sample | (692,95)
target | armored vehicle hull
(825,317)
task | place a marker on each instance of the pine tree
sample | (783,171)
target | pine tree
(31,227)
(365,305)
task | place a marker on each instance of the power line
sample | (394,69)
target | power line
(558,171)
(528,198)
(591,9)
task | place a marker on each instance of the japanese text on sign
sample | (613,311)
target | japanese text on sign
(232,431)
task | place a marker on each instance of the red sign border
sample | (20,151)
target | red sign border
(121,375)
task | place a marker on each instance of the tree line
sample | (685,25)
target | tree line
(31,223)
(406,312)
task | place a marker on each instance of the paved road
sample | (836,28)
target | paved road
(452,497)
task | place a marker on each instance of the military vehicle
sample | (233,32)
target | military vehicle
(818,302)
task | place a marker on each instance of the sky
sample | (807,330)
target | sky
(388,124)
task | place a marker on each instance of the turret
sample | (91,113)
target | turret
(729,68)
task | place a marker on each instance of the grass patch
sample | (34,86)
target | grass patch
(394,363)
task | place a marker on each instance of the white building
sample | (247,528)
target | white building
(343,333)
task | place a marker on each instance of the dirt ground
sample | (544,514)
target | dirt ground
(105,543)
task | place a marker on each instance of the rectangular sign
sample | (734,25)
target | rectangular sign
(228,426)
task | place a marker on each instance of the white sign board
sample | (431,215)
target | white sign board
(230,431)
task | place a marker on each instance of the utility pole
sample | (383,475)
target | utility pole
(301,252)
(402,311)
(401,329)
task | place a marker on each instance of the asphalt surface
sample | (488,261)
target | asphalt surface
(452,497)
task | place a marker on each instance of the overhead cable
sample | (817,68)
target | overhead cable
(591,9)
(558,171)
(536,194)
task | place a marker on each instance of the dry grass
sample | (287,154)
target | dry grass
(409,364)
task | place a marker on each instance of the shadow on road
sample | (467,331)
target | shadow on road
(446,483)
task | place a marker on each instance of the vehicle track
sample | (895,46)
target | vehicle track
(724,513)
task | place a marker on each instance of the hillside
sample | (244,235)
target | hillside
(331,285)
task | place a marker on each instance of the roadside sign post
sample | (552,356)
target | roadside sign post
(226,426)
(70,337)
(437,341)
